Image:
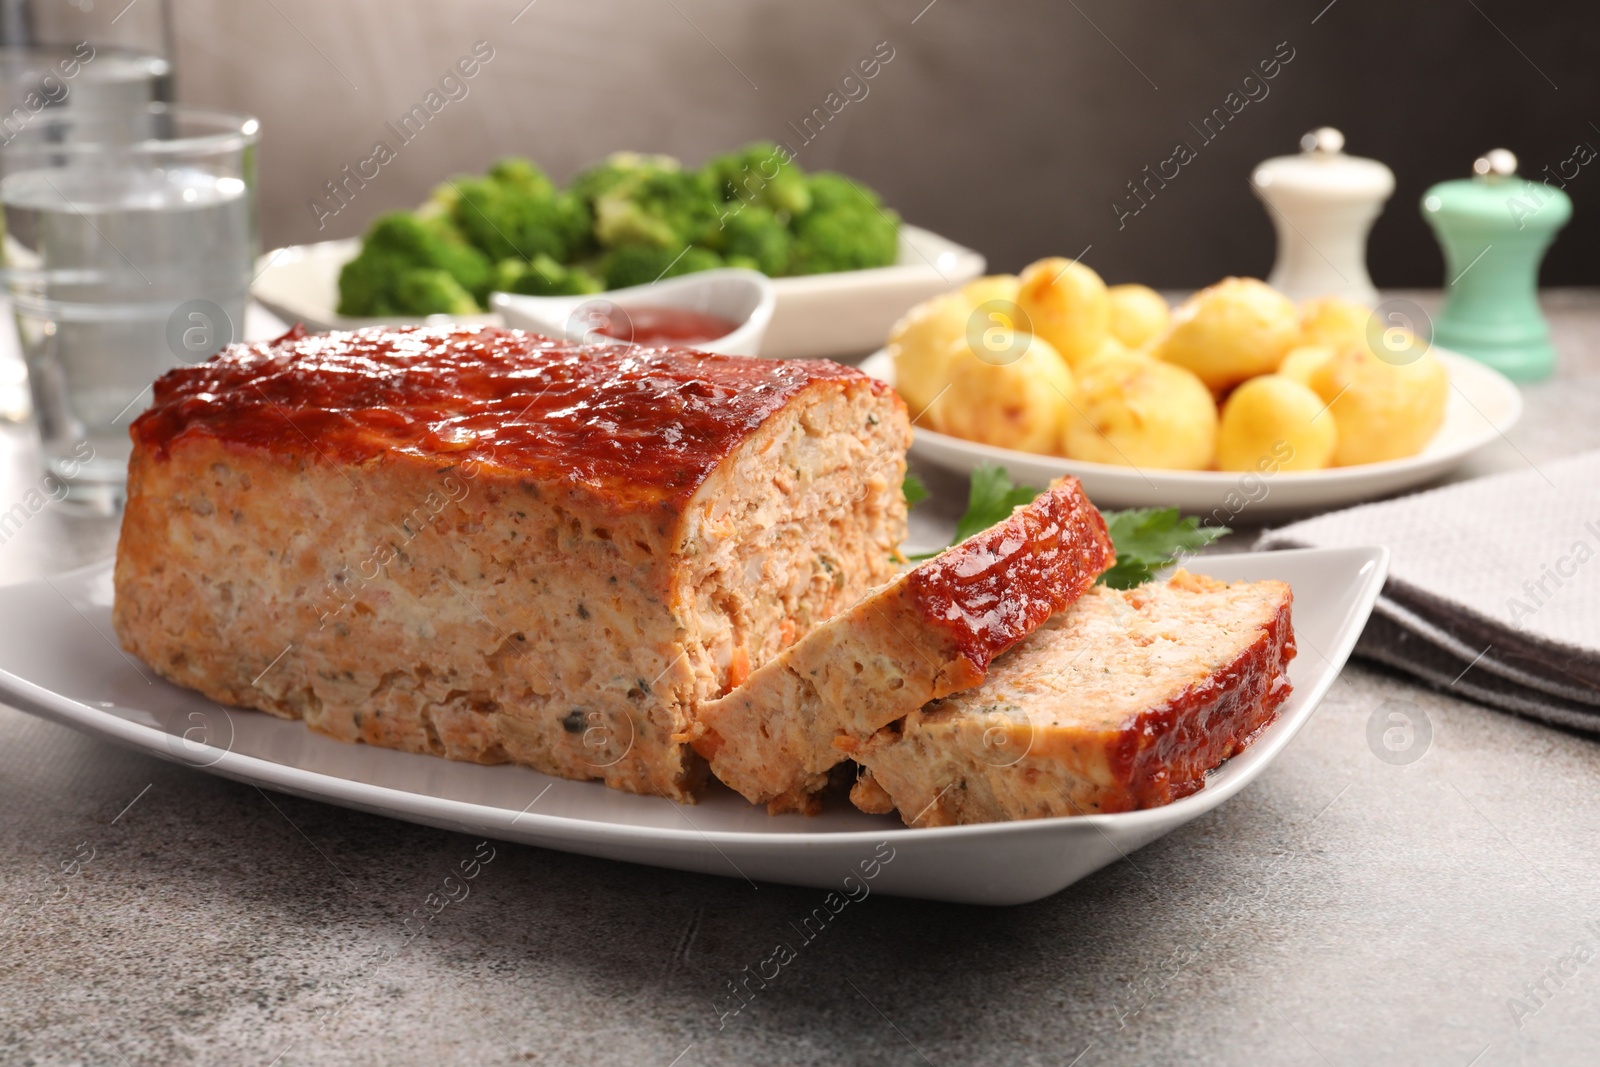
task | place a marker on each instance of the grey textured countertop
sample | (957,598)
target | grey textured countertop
(1340,911)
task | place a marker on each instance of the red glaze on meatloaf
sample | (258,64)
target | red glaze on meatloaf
(997,586)
(641,426)
(1165,753)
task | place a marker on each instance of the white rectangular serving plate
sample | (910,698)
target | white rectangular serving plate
(817,315)
(59,659)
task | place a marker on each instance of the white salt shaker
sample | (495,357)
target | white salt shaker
(1322,204)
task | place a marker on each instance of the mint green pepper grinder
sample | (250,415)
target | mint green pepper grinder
(1494,228)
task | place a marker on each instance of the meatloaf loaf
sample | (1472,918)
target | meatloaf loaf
(1123,701)
(485,545)
(931,632)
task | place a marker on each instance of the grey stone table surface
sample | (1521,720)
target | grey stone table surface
(1343,910)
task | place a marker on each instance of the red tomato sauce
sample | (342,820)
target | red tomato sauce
(665,326)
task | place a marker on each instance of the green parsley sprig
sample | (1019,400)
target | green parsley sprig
(1147,540)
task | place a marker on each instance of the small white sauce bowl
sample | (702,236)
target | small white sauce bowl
(742,296)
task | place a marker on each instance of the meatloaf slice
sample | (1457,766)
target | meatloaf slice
(1124,701)
(484,545)
(931,632)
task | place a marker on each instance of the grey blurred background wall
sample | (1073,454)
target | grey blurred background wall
(1013,127)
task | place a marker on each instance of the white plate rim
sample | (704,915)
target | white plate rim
(419,806)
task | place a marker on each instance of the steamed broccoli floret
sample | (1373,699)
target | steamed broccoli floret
(509,218)
(763,175)
(522,175)
(429,291)
(642,264)
(396,244)
(544,277)
(599,179)
(469,267)
(514,210)
(513,230)
(694,261)
(366,285)
(752,237)
(441,203)
(847,228)
(838,241)
(830,190)
(668,209)
(402,234)
(506,274)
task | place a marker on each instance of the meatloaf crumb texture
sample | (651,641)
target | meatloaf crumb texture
(480,544)
(1123,701)
(931,632)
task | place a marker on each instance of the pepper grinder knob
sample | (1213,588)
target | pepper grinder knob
(1324,139)
(1498,162)
(1494,229)
(1323,203)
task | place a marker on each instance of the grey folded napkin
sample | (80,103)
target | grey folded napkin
(1494,586)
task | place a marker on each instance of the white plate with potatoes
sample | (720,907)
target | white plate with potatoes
(1236,400)
(1483,405)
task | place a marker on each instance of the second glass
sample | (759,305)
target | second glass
(129,244)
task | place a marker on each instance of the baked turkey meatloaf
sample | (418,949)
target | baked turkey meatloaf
(1123,701)
(931,632)
(485,545)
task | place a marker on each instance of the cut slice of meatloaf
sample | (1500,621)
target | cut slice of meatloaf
(484,545)
(1123,701)
(930,632)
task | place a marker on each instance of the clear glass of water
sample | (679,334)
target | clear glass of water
(129,245)
(37,76)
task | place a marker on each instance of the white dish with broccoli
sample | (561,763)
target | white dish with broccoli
(843,265)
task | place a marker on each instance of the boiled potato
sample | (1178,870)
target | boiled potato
(1111,347)
(1300,362)
(1019,401)
(1066,304)
(993,287)
(997,331)
(920,345)
(1275,423)
(1133,411)
(1234,330)
(1382,410)
(1139,314)
(1334,321)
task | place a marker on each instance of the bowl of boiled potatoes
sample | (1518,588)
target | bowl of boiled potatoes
(1237,397)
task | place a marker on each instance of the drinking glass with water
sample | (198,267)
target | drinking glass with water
(130,238)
